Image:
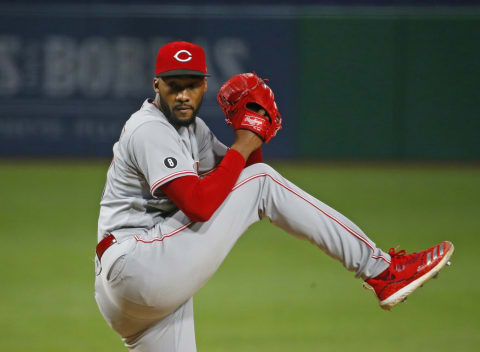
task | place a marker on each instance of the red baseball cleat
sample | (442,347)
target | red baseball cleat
(407,272)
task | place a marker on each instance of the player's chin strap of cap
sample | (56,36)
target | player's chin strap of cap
(104,244)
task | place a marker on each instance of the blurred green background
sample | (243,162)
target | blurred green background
(397,86)
(362,83)
(274,292)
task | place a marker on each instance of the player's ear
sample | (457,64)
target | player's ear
(206,84)
(155,84)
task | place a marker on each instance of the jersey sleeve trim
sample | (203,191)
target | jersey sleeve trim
(169,178)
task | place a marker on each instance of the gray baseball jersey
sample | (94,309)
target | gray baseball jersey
(145,282)
(150,153)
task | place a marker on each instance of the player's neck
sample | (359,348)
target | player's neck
(156,102)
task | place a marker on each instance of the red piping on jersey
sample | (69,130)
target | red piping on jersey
(164,179)
(349,230)
(160,239)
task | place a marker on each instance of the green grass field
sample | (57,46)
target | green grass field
(274,292)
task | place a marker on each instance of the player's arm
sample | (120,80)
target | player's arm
(212,151)
(249,106)
(200,198)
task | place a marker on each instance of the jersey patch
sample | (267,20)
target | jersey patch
(170,162)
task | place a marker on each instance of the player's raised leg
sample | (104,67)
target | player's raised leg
(262,192)
(393,276)
(176,258)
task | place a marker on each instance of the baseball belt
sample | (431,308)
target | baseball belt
(104,244)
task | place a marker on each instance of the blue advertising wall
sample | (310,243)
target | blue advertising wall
(353,79)
(70,76)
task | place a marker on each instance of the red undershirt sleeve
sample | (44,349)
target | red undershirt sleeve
(200,198)
(255,157)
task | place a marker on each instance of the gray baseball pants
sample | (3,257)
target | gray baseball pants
(145,283)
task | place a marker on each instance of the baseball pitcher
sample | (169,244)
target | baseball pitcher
(176,200)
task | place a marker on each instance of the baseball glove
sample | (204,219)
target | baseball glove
(239,94)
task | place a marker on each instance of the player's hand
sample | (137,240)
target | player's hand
(237,97)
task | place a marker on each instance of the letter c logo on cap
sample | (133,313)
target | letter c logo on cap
(185,56)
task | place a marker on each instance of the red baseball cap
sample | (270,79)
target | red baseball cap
(181,58)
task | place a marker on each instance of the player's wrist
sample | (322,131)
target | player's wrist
(246,142)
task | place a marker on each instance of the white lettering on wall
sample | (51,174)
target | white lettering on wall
(94,67)
(61,66)
(10,78)
(130,63)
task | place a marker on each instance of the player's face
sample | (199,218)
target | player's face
(180,97)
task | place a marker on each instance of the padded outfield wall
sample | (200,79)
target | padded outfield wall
(391,85)
(351,82)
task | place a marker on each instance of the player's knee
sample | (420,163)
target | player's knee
(261,168)
(262,172)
